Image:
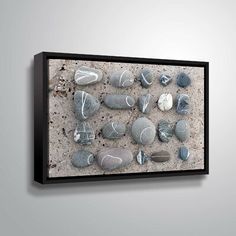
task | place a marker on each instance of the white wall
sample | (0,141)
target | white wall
(184,29)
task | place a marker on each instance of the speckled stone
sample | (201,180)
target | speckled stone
(184,153)
(165,80)
(145,103)
(84,133)
(165,102)
(86,105)
(165,131)
(142,157)
(122,79)
(119,101)
(85,75)
(183,80)
(160,156)
(82,158)
(113,130)
(182,106)
(143,131)
(182,130)
(146,78)
(114,158)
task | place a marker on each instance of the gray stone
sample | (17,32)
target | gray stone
(114,158)
(145,103)
(85,75)
(182,130)
(119,101)
(84,133)
(160,156)
(184,153)
(143,131)
(182,106)
(165,102)
(142,157)
(183,80)
(146,78)
(165,80)
(82,158)
(122,79)
(165,131)
(113,130)
(86,105)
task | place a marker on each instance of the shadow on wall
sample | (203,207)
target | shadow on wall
(39,190)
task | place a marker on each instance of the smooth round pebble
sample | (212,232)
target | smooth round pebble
(182,130)
(84,133)
(113,130)
(142,157)
(146,78)
(182,106)
(122,79)
(184,153)
(183,80)
(160,156)
(82,158)
(165,131)
(145,103)
(165,80)
(165,102)
(119,101)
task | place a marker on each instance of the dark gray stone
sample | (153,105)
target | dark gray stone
(142,157)
(160,156)
(86,105)
(82,158)
(114,158)
(184,153)
(84,133)
(122,79)
(183,80)
(165,80)
(113,130)
(182,130)
(182,106)
(145,103)
(85,75)
(119,101)
(143,131)
(165,131)
(146,78)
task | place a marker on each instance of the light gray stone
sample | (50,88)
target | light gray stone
(82,158)
(184,153)
(143,131)
(85,75)
(165,80)
(182,106)
(160,156)
(182,130)
(86,105)
(84,133)
(146,78)
(145,103)
(165,102)
(113,130)
(165,131)
(119,101)
(122,79)
(114,158)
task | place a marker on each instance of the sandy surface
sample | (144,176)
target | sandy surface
(62,120)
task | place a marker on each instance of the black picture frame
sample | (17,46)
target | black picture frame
(41,117)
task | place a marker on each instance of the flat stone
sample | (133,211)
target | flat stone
(183,106)
(146,78)
(142,157)
(160,156)
(113,130)
(143,131)
(85,75)
(122,79)
(182,130)
(86,105)
(183,80)
(114,158)
(145,103)
(165,102)
(184,153)
(119,101)
(165,80)
(84,133)
(165,131)
(82,158)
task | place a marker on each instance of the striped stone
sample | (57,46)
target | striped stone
(122,79)
(113,130)
(160,156)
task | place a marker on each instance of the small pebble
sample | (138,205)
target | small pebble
(145,103)
(113,130)
(122,79)
(82,158)
(165,79)
(183,80)
(184,153)
(182,130)
(142,157)
(182,107)
(165,102)
(84,133)
(146,78)
(160,156)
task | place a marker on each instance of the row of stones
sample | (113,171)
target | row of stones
(115,158)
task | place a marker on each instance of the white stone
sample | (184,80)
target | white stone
(165,102)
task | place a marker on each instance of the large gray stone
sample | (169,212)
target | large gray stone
(145,103)
(113,130)
(165,131)
(143,131)
(182,130)
(119,101)
(122,79)
(146,78)
(182,106)
(160,156)
(84,133)
(86,105)
(82,158)
(114,158)
(85,75)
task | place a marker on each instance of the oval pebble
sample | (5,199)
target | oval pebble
(82,158)
(182,130)
(146,78)
(183,80)
(165,131)
(114,158)
(119,101)
(145,103)
(122,79)
(182,107)
(113,130)
(84,133)
(160,156)
(165,102)
(184,153)
(142,157)
(85,75)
